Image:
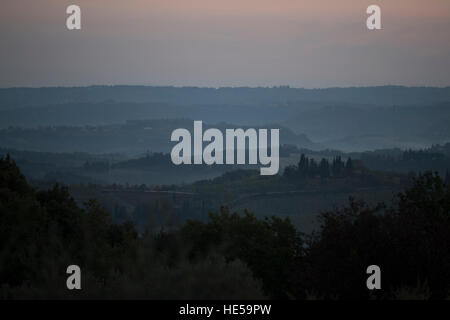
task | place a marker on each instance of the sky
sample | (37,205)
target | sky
(215,43)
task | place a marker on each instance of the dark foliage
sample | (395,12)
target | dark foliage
(409,240)
(42,233)
(230,256)
(270,247)
(309,168)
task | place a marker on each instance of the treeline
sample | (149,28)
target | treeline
(230,256)
(409,161)
(43,232)
(156,159)
(310,168)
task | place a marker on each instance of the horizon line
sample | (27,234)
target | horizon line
(223,87)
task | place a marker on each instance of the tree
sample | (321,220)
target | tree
(41,233)
(409,240)
(337,166)
(303,166)
(313,168)
(349,165)
(324,169)
(269,247)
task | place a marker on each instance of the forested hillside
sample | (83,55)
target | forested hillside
(233,256)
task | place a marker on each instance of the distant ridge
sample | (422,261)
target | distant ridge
(381,95)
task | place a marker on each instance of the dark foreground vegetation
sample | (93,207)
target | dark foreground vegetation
(228,256)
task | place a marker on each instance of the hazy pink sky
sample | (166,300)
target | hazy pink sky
(318,43)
